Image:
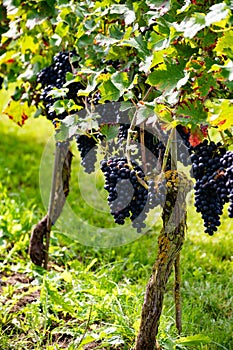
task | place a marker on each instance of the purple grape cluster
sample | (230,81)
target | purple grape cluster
(210,188)
(54,76)
(87,147)
(130,196)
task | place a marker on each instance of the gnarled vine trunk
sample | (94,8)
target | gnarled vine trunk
(60,189)
(170,242)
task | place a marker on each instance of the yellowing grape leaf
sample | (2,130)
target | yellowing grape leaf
(19,112)
(225,43)
(221,115)
(5,96)
(27,43)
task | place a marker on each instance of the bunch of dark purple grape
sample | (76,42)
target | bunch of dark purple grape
(130,196)
(54,76)
(87,145)
(211,183)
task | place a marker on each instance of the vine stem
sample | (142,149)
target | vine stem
(173,146)
(177,277)
(170,144)
(128,156)
(223,137)
(130,131)
(143,149)
(170,242)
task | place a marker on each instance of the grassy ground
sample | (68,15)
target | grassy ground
(91,297)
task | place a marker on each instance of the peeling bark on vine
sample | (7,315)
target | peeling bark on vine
(170,242)
(38,251)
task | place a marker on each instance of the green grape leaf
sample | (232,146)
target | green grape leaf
(139,44)
(192,25)
(58,93)
(167,79)
(59,106)
(109,131)
(121,81)
(109,91)
(225,71)
(143,113)
(191,111)
(204,83)
(217,13)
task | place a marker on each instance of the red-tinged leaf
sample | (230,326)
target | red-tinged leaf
(11,60)
(18,112)
(196,137)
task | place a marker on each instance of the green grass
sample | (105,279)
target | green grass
(92,297)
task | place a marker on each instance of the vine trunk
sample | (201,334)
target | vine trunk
(170,242)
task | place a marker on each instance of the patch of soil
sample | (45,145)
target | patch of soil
(22,279)
(16,277)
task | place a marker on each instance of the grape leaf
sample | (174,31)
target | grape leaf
(167,79)
(19,112)
(191,26)
(143,113)
(191,111)
(225,44)
(109,91)
(221,114)
(109,131)
(121,81)
(217,13)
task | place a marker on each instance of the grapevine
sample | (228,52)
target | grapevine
(213,182)
(146,86)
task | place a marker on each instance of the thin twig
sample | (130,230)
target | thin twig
(143,148)
(167,150)
(130,131)
(147,93)
(223,137)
